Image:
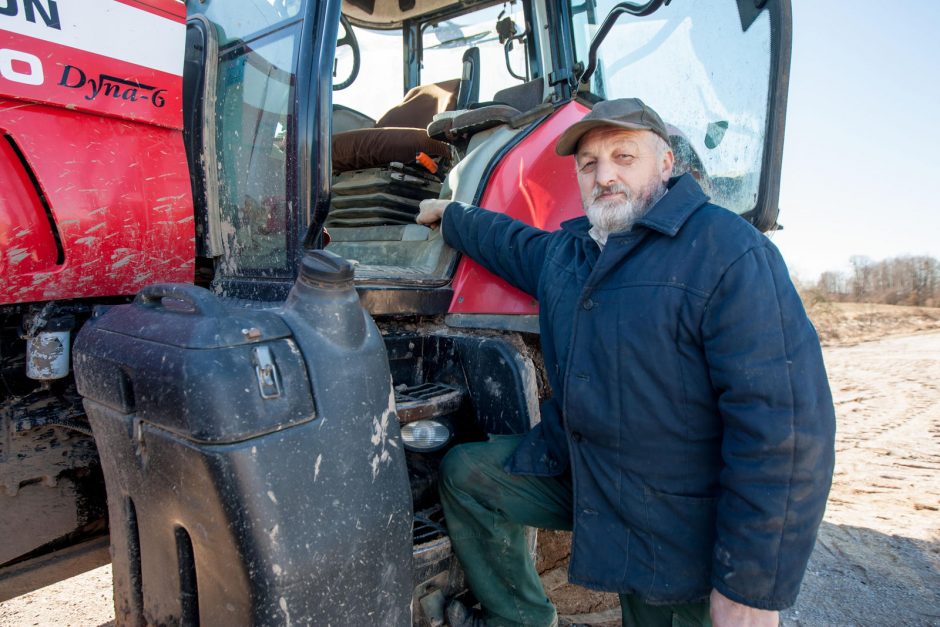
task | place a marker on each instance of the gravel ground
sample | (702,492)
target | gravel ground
(877,559)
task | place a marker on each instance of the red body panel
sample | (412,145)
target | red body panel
(531,184)
(88,82)
(25,237)
(120,197)
(112,57)
(91,98)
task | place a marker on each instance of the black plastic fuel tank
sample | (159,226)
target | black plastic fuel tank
(253,460)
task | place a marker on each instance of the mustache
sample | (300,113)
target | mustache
(613,188)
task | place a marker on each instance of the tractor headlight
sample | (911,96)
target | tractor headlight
(425,436)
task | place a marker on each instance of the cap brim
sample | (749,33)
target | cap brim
(567,144)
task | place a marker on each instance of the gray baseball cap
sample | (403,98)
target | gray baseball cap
(627,113)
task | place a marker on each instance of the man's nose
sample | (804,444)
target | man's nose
(606,173)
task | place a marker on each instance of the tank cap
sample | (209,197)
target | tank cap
(322,268)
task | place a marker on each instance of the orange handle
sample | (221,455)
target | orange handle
(429,164)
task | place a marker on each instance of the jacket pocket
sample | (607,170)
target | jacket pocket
(683,531)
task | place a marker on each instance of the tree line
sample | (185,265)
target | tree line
(905,280)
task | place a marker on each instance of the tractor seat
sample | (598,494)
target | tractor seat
(400,133)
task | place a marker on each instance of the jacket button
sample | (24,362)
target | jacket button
(588,303)
(576,436)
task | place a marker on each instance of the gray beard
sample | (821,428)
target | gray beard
(616,215)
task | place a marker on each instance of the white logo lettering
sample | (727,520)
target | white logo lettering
(32,75)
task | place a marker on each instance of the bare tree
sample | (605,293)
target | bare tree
(861,277)
(835,285)
(908,280)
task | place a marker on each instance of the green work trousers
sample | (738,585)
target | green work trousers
(487,509)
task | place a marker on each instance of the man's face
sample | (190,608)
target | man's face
(620,173)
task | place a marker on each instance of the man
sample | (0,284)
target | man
(689,441)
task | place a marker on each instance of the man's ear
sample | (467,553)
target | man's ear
(668,161)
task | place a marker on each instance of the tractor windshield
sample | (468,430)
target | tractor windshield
(707,76)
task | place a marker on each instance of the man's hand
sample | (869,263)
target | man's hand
(430,211)
(727,613)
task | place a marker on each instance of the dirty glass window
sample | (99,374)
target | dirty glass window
(253,114)
(443,44)
(693,63)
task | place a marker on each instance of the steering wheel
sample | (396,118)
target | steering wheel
(348,39)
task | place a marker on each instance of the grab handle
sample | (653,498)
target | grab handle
(200,300)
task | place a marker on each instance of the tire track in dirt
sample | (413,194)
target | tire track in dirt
(877,558)
(888,443)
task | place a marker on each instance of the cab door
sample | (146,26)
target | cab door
(257,79)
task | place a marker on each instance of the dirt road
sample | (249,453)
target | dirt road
(877,561)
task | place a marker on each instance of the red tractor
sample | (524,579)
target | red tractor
(201,156)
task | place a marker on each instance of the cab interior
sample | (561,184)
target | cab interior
(469,87)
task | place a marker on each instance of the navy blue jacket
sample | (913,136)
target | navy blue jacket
(690,398)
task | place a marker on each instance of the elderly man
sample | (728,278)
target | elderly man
(689,441)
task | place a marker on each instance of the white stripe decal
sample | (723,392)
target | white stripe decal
(110,29)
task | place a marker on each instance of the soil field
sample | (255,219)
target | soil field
(845,324)
(877,558)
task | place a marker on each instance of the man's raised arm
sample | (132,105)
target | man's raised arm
(513,250)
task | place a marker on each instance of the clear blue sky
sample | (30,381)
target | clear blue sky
(861,161)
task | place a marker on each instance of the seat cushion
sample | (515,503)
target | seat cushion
(420,104)
(376,147)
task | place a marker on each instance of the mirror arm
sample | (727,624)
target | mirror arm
(520,38)
(638,10)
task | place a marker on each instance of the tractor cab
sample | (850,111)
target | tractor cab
(331,123)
